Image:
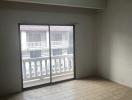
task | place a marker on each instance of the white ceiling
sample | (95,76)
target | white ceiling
(94,4)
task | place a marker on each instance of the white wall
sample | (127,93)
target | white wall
(12,14)
(95,4)
(115,42)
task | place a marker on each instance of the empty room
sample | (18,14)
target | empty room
(65,50)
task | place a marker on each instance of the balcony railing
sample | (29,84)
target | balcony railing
(39,68)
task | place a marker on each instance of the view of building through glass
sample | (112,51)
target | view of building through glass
(47,54)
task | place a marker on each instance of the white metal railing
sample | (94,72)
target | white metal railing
(59,44)
(36,44)
(42,44)
(39,68)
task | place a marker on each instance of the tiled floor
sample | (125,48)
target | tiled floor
(86,89)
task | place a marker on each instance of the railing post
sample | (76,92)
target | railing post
(72,64)
(24,71)
(69,63)
(30,69)
(60,64)
(35,68)
(55,66)
(64,65)
(41,74)
(46,69)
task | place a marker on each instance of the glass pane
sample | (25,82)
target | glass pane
(62,52)
(35,54)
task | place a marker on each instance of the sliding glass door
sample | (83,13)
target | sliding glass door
(61,52)
(46,53)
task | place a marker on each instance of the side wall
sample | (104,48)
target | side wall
(28,13)
(115,42)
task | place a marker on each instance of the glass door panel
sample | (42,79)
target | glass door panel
(35,54)
(61,38)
